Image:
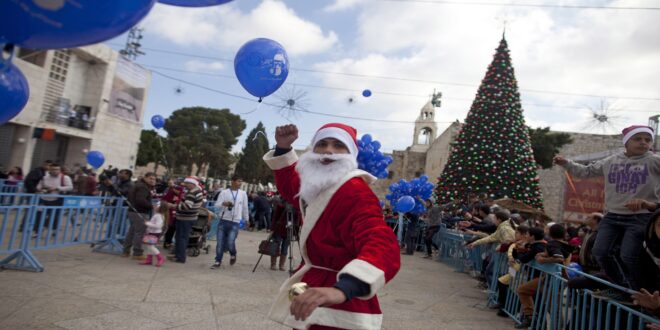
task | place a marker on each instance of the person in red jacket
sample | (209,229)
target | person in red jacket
(348,251)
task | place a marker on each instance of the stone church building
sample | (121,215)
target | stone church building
(429,154)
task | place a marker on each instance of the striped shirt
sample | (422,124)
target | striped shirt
(188,209)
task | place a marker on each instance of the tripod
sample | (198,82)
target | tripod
(291,236)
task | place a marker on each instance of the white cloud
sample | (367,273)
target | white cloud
(227,27)
(201,66)
(596,52)
(340,5)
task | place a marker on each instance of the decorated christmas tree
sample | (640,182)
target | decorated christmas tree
(493,153)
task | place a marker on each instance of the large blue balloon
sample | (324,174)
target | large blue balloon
(405,204)
(193,3)
(40,24)
(158,121)
(261,66)
(14,91)
(95,158)
(572,268)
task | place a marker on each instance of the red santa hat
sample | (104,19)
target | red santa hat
(628,132)
(344,133)
(192,180)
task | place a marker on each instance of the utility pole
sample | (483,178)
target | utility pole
(132,49)
(653,122)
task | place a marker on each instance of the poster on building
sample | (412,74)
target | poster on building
(582,197)
(128,90)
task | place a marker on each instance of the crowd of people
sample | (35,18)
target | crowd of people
(348,238)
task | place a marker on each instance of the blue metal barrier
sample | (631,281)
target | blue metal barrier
(10,187)
(556,306)
(28,224)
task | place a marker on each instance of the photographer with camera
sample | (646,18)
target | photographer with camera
(285,227)
(234,205)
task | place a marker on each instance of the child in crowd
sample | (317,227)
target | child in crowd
(522,237)
(649,295)
(152,235)
(557,251)
(632,187)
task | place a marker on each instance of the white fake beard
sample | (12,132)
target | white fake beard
(315,176)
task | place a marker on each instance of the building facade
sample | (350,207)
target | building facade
(429,156)
(81,99)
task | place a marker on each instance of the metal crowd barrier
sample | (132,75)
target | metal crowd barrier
(10,187)
(556,306)
(27,225)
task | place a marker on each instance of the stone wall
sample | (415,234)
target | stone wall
(553,181)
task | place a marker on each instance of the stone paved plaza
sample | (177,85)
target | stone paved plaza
(84,290)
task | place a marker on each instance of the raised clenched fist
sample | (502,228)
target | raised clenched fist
(286,135)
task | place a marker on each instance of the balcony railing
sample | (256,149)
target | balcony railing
(76,117)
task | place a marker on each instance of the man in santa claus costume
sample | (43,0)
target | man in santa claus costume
(348,251)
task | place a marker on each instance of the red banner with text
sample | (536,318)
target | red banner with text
(583,196)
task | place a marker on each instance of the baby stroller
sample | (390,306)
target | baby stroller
(197,239)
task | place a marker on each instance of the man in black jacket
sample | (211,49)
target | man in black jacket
(139,212)
(31,181)
(33,178)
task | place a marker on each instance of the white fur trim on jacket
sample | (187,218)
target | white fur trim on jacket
(281,161)
(366,273)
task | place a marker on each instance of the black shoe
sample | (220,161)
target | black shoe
(502,313)
(232,260)
(174,259)
(216,265)
(525,322)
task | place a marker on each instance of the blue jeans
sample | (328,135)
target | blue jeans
(183,229)
(284,243)
(629,230)
(226,239)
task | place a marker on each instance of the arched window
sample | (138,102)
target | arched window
(425,135)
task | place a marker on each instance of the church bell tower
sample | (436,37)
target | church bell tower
(426,129)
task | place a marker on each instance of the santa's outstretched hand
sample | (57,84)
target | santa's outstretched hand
(286,135)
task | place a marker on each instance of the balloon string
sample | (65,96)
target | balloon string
(253,110)
(572,185)
(256,135)
(162,151)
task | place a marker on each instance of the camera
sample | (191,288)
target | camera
(231,206)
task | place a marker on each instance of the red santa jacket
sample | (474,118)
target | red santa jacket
(343,232)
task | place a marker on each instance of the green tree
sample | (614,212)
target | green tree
(149,150)
(202,136)
(493,153)
(250,165)
(546,144)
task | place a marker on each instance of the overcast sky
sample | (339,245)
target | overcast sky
(568,61)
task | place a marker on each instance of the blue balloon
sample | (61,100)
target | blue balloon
(366,93)
(572,268)
(14,91)
(193,3)
(95,158)
(242,224)
(67,24)
(158,121)
(261,66)
(366,139)
(405,204)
